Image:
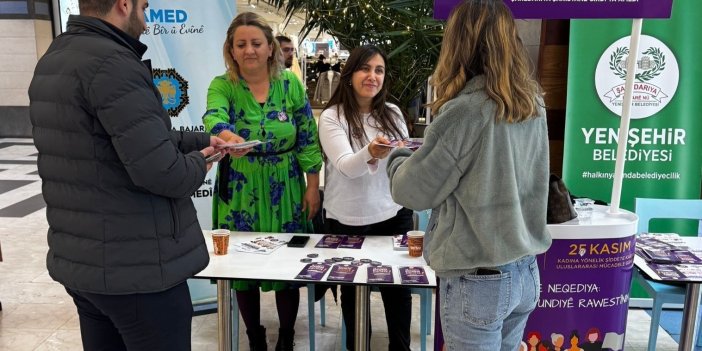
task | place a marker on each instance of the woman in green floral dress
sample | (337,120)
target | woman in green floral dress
(263,190)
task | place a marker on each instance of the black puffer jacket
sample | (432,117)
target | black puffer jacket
(116,180)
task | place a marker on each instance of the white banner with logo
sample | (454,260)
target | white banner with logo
(655,82)
(185,39)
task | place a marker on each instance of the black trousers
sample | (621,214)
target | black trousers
(135,322)
(397,301)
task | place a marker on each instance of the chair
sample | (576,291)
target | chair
(648,209)
(420,219)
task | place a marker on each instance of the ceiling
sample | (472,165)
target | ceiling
(275,18)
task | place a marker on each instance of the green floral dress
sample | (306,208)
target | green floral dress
(263,191)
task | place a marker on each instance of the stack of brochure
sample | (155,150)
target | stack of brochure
(669,257)
(261,245)
(330,241)
(660,256)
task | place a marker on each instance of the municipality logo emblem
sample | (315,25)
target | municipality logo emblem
(655,80)
(173,89)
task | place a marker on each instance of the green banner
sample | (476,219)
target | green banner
(664,144)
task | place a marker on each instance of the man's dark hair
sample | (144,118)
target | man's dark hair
(97,7)
(283,39)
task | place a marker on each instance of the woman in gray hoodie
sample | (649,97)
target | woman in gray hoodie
(483,169)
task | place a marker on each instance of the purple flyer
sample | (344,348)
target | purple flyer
(380,274)
(690,272)
(399,242)
(413,275)
(666,271)
(413,144)
(687,256)
(342,273)
(679,272)
(352,242)
(329,241)
(659,256)
(313,271)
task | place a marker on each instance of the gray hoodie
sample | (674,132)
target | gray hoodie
(486,181)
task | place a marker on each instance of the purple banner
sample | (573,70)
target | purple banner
(563,9)
(584,294)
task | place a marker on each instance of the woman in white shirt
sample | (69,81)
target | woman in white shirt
(355,129)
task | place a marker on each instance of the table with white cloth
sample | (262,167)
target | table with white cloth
(284,264)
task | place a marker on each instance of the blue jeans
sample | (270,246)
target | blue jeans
(483,310)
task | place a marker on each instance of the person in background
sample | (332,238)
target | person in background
(336,67)
(117,180)
(354,130)
(321,66)
(287,48)
(265,191)
(483,169)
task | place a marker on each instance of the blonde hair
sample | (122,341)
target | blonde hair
(251,19)
(481,38)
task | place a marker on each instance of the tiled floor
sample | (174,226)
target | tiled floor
(38,314)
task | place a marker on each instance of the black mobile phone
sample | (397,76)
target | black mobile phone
(487,271)
(298,241)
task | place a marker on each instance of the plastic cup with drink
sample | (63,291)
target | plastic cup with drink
(415,243)
(220,241)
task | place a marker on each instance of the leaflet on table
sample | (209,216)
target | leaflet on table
(670,256)
(690,271)
(239,146)
(380,274)
(329,241)
(352,242)
(688,256)
(413,275)
(399,242)
(313,271)
(260,245)
(681,272)
(342,273)
(659,256)
(659,241)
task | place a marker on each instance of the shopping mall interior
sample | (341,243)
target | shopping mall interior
(36,312)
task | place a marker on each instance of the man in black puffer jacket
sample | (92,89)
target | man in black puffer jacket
(123,232)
